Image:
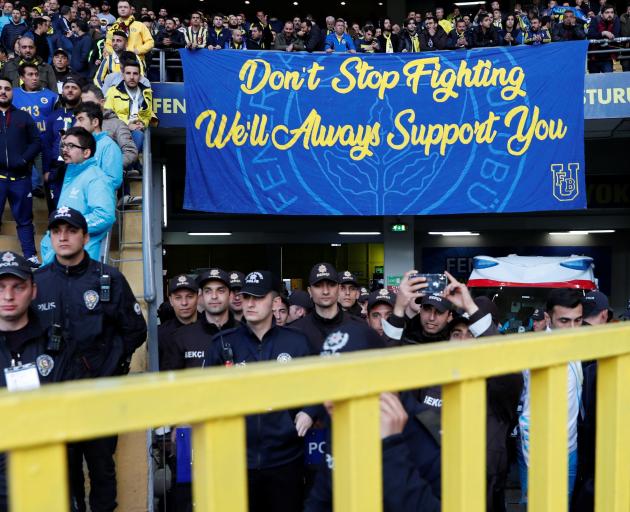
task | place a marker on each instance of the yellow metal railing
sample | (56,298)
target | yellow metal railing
(36,425)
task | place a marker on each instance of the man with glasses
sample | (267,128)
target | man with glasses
(87,189)
(61,119)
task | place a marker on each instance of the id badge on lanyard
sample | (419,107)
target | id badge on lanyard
(22,377)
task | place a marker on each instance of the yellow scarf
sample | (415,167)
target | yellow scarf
(389,47)
(415,43)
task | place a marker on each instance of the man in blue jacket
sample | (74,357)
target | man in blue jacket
(275,448)
(86,189)
(108,154)
(19,145)
(218,36)
(60,120)
(81,47)
(13,30)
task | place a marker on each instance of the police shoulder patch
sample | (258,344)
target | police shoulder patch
(284,358)
(91,298)
(45,364)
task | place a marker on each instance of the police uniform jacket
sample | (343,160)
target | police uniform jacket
(99,337)
(343,333)
(189,345)
(411,470)
(166,331)
(271,438)
(27,345)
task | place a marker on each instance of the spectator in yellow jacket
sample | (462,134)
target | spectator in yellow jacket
(113,62)
(132,102)
(139,38)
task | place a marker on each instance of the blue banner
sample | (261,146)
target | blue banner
(478,131)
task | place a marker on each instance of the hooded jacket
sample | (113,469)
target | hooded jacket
(87,189)
(121,134)
(109,158)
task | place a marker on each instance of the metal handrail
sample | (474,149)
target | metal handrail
(148,277)
(168,58)
(105,247)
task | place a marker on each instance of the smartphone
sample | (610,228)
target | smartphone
(436,283)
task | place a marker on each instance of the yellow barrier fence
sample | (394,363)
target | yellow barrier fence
(37,424)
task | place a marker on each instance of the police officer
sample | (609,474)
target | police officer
(300,305)
(349,293)
(182,296)
(328,328)
(236,283)
(539,321)
(275,449)
(364,295)
(92,316)
(191,342)
(23,343)
(379,307)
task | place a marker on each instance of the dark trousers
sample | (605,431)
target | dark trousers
(600,66)
(279,489)
(18,192)
(54,185)
(99,456)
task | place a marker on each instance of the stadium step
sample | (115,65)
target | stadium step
(11,243)
(9,228)
(8,233)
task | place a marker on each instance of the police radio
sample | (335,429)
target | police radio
(227,353)
(106,286)
(55,338)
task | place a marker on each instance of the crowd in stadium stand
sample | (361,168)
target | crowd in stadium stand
(493,25)
(72,72)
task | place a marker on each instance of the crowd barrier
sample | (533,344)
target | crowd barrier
(165,65)
(38,424)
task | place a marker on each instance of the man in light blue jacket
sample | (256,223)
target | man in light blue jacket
(87,189)
(108,154)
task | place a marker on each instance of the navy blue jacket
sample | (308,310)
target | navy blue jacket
(19,142)
(220,39)
(79,61)
(61,119)
(343,333)
(411,470)
(100,336)
(271,438)
(11,32)
(32,345)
